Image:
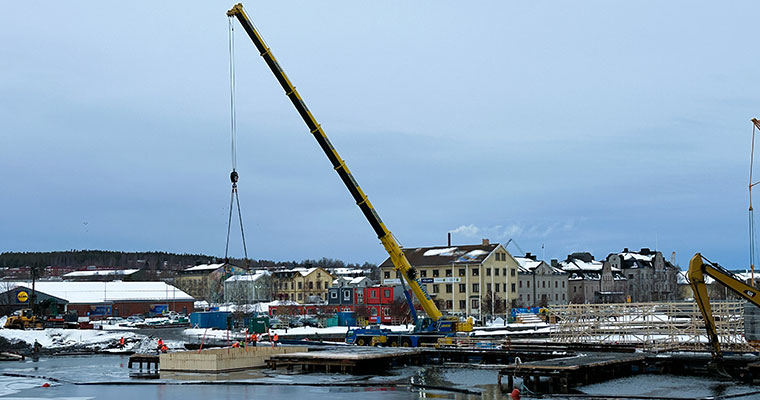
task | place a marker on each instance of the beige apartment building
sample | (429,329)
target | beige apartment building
(303,285)
(472,280)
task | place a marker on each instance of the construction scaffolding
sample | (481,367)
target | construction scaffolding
(653,326)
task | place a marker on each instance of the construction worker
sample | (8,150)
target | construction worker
(121,342)
(235,345)
(164,349)
(275,338)
(160,345)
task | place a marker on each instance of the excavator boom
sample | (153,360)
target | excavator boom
(698,268)
(386,238)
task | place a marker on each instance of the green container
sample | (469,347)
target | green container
(332,321)
(259,324)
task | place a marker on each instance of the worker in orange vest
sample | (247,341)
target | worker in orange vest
(121,342)
(275,337)
(235,345)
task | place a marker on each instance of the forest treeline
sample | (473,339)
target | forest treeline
(154,260)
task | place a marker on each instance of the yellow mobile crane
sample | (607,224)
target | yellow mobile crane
(698,268)
(439,323)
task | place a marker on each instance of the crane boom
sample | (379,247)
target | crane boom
(698,268)
(386,238)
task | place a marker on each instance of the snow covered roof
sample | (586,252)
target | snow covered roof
(348,271)
(110,272)
(358,280)
(102,292)
(446,255)
(204,267)
(248,277)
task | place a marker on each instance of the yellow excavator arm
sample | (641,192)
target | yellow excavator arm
(698,268)
(386,238)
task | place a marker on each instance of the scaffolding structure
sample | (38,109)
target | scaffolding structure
(653,326)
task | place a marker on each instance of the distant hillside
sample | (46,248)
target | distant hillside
(147,260)
(100,258)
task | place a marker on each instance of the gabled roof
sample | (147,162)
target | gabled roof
(204,267)
(254,276)
(445,255)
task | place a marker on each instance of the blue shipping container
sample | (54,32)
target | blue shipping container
(209,319)
(346,318)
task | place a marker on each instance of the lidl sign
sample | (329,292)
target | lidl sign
(22,296)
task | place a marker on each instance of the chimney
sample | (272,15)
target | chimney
(625,250)
(486,242)
(645,251)
(449,239)
(673,258)
(554,262)
(530,256)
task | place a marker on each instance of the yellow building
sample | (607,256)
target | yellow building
(303,285)
(463,280)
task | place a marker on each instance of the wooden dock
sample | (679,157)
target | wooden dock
(348,359)
(560,374)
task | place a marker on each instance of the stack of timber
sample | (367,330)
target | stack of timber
(224,360)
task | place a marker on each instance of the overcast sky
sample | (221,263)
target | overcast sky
(579,126)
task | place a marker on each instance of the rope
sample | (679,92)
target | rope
(234,197)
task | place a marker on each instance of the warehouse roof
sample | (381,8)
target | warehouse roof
(107,272)
(103,292)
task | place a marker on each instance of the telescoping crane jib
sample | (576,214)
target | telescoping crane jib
(386,238)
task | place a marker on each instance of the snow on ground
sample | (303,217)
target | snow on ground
(57,338)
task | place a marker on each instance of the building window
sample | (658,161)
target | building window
(497,288)
(513,288)
(373,311)
(373,294)
(435,273)
(563,296)
(556,284)
(563,284)
(448,273)
(505,288)
(528,296)
(334,294)
(386,293)
(543,284)
(449,288)
(387,274)
(504,271)
(475,288)
(346,295)
(300,285)
(311,285)
(462,288)
(462,304)
(556,296)
(435,288)
(449,304)
(291,285)
(520,297)
(386,312)
(496,271)
(528,284)
(575,289)
(462,272)
(300,296)
(475,303)
(512,272)
(488,271)
(488,287)
(423,273)
(475,271)
(520,284)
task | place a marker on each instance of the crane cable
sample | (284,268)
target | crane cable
(234,198)
(752,236)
